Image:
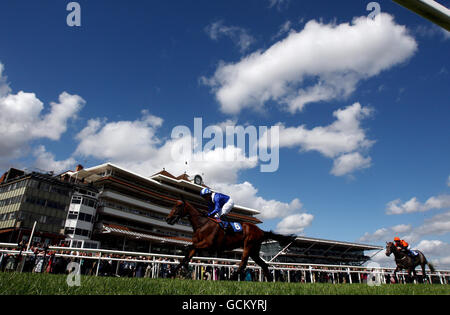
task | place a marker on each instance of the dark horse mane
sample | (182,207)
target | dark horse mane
(208,235)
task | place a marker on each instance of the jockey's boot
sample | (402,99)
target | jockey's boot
(227,227)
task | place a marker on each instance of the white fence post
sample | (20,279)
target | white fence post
(98,264)
(349,276)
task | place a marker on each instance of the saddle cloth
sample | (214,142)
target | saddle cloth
(235,226)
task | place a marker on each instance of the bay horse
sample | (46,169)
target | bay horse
(208,235)
(404,261)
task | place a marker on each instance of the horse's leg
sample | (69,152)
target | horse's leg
(395,274)
(264,267)
(414,275)
(424,275)
(185,262)
(244,260)
(410,279)
(255,256)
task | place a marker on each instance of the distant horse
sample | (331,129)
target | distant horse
(404,261)
(208,235)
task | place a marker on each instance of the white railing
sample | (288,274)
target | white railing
(309,272)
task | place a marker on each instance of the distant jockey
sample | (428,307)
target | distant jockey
(403,246)
(218,204)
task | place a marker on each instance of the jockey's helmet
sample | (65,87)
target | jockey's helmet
(205,191)
(397,239)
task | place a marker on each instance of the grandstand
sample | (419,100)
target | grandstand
(319,251)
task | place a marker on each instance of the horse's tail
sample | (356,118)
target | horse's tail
(284,240)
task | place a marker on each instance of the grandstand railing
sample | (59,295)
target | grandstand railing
(199,268)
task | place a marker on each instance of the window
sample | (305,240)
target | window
(85,217)
(90,245)
(69,231)
(30,199)
(77,244)
(41,202)
(89,203)
(33,183)
(10,201)
(45,187)
(76,200)
(72,215)
(82,232)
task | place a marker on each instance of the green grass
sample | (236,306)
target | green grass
(45,284)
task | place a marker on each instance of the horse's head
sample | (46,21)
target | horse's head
(389,248)
(178,211)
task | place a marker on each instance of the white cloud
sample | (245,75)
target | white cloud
(336,57)
(45,161)
(238,35)
(350,162)
(413,205)
(246,194)
(4,87)
(431,31)
(386,234)
(22,119)
(343,140)
(279,4)
(434,247)
(436,225)
(285,28)
(436,251)
(383,260)
(135,145)
(120,141)
(295,224)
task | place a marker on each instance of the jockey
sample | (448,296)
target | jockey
(218,204)
(403,246)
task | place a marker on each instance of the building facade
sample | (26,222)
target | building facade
(26,198)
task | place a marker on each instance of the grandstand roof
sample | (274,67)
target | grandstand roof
(309,240)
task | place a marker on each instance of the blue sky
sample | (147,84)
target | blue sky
(167,58)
